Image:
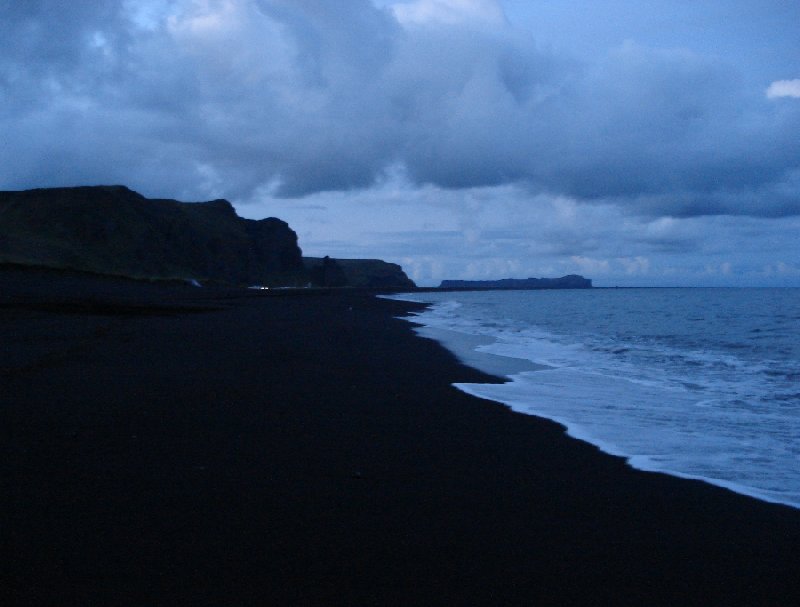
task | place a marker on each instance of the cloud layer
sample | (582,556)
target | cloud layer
(784,88)
(203,98)
(500,231)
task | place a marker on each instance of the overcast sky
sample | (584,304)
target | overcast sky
(636,142)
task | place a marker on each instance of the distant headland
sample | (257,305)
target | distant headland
(113,230)
(571,281)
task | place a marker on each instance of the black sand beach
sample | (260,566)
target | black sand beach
(169,445)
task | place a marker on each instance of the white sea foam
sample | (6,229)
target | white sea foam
(674,395)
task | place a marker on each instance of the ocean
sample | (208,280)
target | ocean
(697,383)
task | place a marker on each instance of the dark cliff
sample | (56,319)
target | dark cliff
(572,281)
(369,273)
(114,230)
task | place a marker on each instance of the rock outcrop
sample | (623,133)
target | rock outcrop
(114,230)
(325,272)
(572,281)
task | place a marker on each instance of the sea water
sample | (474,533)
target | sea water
(697,383)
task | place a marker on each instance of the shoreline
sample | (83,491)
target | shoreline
(466,346)
(242,448)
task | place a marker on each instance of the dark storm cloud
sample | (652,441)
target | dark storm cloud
(48,33)
(212,98)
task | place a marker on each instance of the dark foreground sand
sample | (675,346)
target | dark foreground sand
(172,445)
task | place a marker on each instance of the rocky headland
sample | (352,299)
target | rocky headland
(363,273)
